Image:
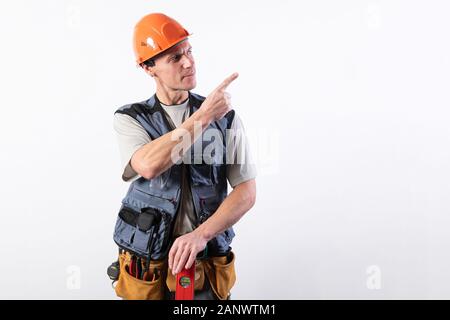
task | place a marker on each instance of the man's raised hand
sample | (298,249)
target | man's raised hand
(218,103)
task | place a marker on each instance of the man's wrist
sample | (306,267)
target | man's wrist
(203,117)
(204,232)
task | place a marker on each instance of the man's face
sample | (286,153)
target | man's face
(175,69)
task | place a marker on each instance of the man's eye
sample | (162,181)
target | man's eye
(176,58)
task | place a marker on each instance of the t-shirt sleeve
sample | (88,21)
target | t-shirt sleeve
(130,137)
(240,164)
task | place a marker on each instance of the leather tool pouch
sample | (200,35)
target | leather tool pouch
(129,287)
(221,274)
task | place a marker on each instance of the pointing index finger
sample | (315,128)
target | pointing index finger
(227,81)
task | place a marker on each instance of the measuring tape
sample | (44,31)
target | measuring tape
(185,284)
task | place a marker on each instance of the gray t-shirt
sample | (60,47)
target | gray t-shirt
(131,136)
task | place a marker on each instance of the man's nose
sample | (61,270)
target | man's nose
(187,62)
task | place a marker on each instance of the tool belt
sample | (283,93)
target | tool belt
(158,281)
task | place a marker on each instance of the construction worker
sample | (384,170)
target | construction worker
(179,150)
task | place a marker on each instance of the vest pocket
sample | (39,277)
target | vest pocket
(123,233)
(141,239)
(134,231)
(209,205)
(229,234)
(155,192)
(201,174)
(131,238)
(164,202)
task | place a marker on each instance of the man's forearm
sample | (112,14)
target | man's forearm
(235,205)
(157,156)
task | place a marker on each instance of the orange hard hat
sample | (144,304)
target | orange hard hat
(155,33)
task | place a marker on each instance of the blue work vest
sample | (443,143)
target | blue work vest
(207,178)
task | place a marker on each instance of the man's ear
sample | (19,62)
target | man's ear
(149,70)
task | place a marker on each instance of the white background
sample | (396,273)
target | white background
(347,107)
